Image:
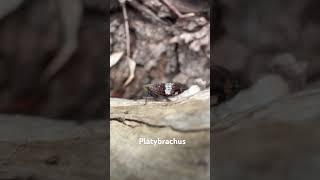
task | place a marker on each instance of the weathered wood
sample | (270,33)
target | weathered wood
(184,119)
(39,148)
(276,137)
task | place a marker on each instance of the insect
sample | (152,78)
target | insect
(163,90)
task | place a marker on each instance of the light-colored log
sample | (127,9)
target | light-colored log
(184,119)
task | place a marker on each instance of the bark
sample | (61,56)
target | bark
(39,148)
(183,119)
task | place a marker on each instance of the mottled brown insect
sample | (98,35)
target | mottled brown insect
(224,84)
(163,90)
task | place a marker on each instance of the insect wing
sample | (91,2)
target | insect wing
(156,90)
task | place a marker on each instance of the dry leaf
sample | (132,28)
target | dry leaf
(115,57)
(132,67)
(195,39)
(187,93)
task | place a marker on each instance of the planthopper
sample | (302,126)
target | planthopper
(163,90)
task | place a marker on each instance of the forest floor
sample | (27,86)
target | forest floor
(164,48)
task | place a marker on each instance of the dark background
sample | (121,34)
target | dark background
(31,36)
(55,129)
(277,140)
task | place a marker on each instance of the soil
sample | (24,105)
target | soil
(177,50)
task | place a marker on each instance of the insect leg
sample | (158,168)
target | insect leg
(146,98)
(153,94)
(167,99)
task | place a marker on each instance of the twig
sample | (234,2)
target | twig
(176,11)
(126,26)
(146,12)
(131,62)
(70,15)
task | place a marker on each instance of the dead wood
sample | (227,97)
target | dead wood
(274,139)
(185,119)
(39,148)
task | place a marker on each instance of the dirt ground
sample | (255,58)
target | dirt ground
(169,50)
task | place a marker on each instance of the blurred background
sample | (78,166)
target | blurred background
(270,130)
(37,35)
(259,33)
(53,89)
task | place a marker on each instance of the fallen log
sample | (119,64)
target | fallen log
(274,137)
(40,148)
(133,125)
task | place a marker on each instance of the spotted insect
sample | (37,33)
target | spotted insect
(163,90)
